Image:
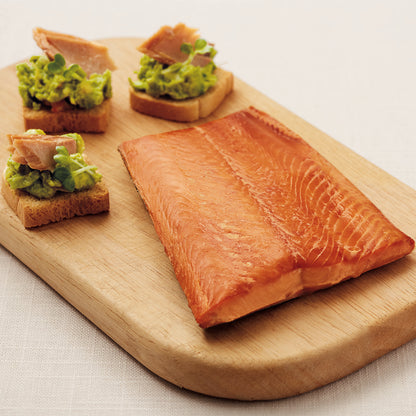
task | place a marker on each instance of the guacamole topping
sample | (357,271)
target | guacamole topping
(71,172)
(42,81)
(180,80)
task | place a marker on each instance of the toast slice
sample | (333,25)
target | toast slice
(34,212)
(191,109)
(94,120)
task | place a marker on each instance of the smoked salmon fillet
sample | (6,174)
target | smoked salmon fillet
(250,215)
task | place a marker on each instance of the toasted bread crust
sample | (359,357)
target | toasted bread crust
(186,110)
(94,120)
(34,212)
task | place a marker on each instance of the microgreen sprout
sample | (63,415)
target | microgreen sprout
(201,47)
(57,65)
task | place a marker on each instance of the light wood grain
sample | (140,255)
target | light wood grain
(113,269)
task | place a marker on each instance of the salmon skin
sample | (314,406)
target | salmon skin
(251,215)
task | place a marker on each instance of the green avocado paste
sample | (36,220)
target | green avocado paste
(42,81)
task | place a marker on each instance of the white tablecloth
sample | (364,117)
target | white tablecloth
(347,67)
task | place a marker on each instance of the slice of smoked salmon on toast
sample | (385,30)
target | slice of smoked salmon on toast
(37,151)
(93,57)
(250,215)
(165,45)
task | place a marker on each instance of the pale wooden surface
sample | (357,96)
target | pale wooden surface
(113,269)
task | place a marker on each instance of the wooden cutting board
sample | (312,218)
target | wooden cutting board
(113,269)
